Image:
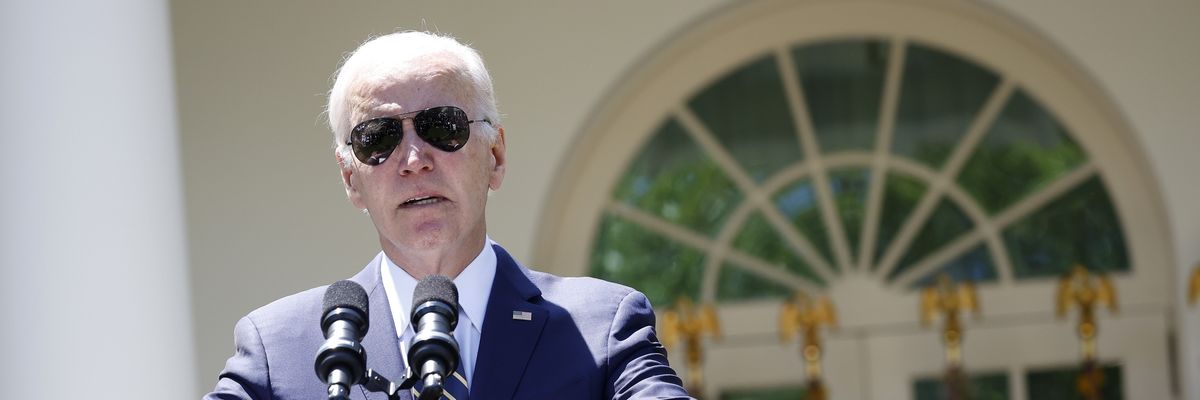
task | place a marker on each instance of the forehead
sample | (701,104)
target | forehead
(408,85)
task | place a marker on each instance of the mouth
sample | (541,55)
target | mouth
(422,201)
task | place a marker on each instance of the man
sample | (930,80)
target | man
(419,142)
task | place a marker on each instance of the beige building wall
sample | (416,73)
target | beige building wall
(266,216)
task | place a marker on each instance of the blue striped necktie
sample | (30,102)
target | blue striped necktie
(455,386)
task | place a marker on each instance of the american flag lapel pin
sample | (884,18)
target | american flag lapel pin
(522,315)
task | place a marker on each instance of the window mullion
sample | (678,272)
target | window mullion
(957,247)
(883,144)
(984,231)
(1041,198)
(945,177)
(978,128)
(660,226)
(717,253)
(796,240)
(772,272)
(754,193)
(909,229)
(812,156)
(987,228)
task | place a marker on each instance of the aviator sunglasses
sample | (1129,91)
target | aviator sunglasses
(446,128)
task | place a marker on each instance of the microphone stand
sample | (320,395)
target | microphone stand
(375,382)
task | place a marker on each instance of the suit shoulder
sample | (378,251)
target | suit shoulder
(282,313)
(546,281)
(577,293)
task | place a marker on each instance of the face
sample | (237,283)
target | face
(424,202)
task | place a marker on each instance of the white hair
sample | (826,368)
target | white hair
(388,55)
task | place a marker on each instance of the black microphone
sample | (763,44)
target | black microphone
(433,353)
(341,360)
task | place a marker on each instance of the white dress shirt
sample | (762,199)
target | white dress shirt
(474,288)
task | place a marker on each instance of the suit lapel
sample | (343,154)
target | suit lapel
(507,342)
(381,343)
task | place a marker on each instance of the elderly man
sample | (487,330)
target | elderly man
(419,142)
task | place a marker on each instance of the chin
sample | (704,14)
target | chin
(429,243)
(428,237)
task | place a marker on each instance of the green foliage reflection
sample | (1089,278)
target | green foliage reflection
(629,254)
(900,195)
(849,187)
(799,203)
(673,179)
(1025,149)
(945,224)
(843,83)
(758,238)
(974,266)
(748,113)
(1079,227)
(736,284)
(939,97)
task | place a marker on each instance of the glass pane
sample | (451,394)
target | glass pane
(945,224)
(843,85)
(673,179)
(983,386)
(849,187)
(1079,227)
(662,269)
(775,393)
(758,238)
(799,203)
(1024,150)
(974,266)
(900,195)
(1059,384)
(738,284)
(747,110)
(939,96)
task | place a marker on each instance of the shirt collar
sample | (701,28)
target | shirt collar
(474,288)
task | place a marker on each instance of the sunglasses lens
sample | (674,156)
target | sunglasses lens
(446,128)
(374,140)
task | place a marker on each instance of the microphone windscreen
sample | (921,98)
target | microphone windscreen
(345,294)
(436,287)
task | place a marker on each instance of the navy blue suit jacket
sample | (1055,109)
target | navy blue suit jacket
(587,339)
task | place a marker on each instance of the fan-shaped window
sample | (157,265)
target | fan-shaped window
(859,150)
(781,175)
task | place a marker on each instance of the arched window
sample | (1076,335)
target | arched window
(860,149)
(756,188)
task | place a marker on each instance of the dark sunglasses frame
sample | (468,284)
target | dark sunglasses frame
(445,127)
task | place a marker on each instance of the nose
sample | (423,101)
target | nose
(414,154)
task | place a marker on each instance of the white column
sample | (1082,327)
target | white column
(94,296)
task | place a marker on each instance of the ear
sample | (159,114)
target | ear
(498,160)
(348,178)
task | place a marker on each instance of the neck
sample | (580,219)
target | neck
(448,261)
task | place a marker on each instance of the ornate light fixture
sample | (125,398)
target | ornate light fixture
(688,324)
(1084,290)
(802,314)
(947,299)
